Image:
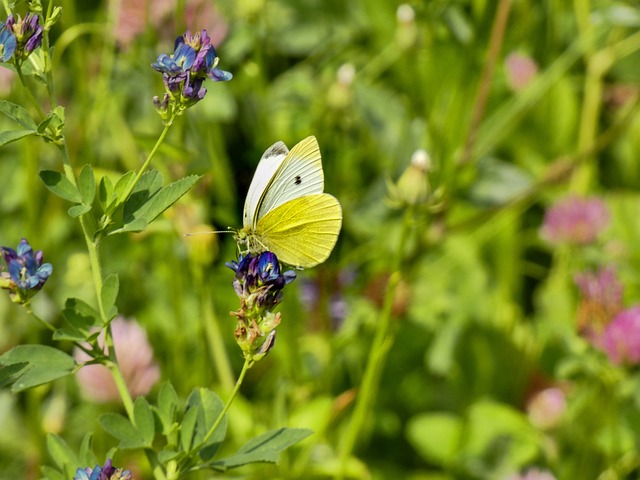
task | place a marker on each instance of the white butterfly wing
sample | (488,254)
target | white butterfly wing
(269,164)
(298,175)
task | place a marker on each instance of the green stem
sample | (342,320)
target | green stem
(42,321)
(380,347)
(245,368)
(584,176)
(30,94)
(482,96)
(146,163)
(96,272)
(156,466)
(48,64)
(121,384)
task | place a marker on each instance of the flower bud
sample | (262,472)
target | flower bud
(258,282)
(413,186)
(407,30)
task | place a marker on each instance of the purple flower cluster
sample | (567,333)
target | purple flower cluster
(106,472)
(19,37)
(621,338)
(259,282)
(601,300)
(194,59)
(575,220)
(26,271)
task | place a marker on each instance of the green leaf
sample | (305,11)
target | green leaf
(167,197)
(42,126)
(264,448)
(86,456)
(209,407)
(51,473)
(187,428)
(436,436)
(19,114)
(61,453)
(167,406)
(123,183)
(122,429)
(106,194)
(499,182)
(9,373)
(78,210)
(60,185)
(109,294)
(165,456)
(488,422)
(137,225)
(10,136)
(87,185)
(80,318)
(45,364)
(148,200)
(145,423)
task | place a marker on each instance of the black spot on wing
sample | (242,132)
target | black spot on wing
(297,180)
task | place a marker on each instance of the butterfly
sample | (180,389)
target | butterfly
(286,211)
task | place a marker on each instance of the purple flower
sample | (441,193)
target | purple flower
(520,70)
(28,33)
(194,59)
(258,279)
(601,300)
(7,44)
(258,282)
(621,338)
(106,472)
(575,220)
(547,407)
(27,274)
(135,357)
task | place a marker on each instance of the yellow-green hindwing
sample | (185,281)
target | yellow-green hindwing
(301,232)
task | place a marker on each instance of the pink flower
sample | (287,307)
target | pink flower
(135,357)
(533,474)
(136,15)
(601,299)
(621,338)
(546,408)
(575,220)
(520,70)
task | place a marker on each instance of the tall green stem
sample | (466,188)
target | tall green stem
(480,103)
(590,113)
(380,347)
(96,272)
(245,368)
(146,163)
(30,94)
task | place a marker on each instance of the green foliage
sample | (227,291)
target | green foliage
(485,314)
(39,364)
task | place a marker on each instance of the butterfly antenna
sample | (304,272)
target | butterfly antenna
(191,234)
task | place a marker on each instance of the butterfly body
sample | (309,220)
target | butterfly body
(286,211)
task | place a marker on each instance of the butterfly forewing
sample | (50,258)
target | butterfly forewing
(267,167)
(299,174)
(303,231)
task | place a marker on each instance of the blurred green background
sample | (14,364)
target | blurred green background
(517,103)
